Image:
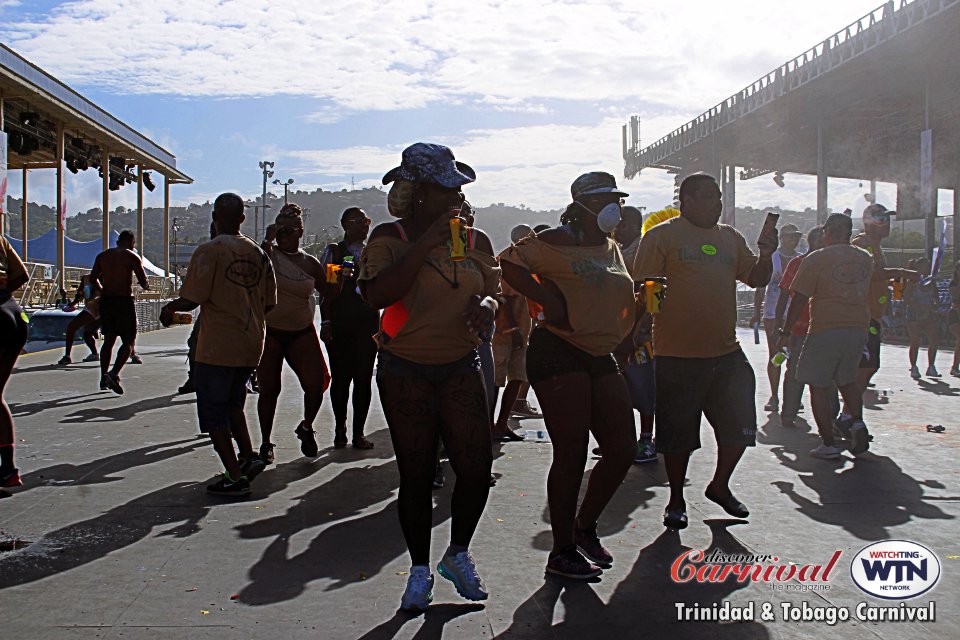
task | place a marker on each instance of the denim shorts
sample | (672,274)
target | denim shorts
(642,383)
(219,389)
(723,389)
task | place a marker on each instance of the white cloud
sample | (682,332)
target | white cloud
(391,54)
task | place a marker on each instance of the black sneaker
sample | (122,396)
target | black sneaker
(569,563)
(135,359)
(438,479)
(252,466)
(112,382)
(64,361)
(187,387)
(266,452)
(227,487)
(308,440)
(588,543)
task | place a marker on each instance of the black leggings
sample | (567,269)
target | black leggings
(422,402)
(352,354)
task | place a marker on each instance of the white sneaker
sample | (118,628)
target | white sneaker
(826,452)
(859,438)
(932,372)
(915,372)
(419,593)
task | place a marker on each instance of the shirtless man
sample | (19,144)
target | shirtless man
(113,271)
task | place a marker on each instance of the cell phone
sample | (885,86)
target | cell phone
(769,224)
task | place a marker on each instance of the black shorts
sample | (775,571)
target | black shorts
(723,389)
(549,356)
(118,317)
(286,338)
(871,352)
(13,325)
(219,390)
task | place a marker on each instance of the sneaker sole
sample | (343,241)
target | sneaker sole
(644,460)
(859,441)
(241,493)
(418,607)
(575,576)
(443,571)
(254,470)
(603,564)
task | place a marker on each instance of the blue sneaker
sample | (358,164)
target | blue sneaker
(419,593)
(462,572)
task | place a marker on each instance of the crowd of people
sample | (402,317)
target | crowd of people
(601,315)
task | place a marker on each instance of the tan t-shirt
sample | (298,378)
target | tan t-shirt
(837,281)
(232,280)
(879,294)
(427,326)
(10,263)
(518,304)
(594,282)
(698,315)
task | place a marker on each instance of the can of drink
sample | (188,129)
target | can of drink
(780,357)
(653,293)
(333,273)
(897,285)
(182,317)
(458,249)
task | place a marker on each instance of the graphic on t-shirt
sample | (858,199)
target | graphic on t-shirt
(244,273)
(851,272)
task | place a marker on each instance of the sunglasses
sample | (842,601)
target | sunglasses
(364,221)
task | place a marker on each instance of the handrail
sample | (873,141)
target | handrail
(857,38)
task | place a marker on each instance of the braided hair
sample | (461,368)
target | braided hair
(289,211)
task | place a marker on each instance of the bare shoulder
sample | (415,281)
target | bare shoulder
(385,230)
(482,241)
(561,236)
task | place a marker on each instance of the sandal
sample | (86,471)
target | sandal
(729,504)
(675,518)
(308,440)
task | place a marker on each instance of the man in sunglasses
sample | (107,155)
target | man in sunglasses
(876,227)
(349,325)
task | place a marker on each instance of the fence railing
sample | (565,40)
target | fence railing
(863,35)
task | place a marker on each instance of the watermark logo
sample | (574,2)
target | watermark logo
(895,569)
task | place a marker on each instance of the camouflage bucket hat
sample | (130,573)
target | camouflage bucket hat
(427,162)
(595,182)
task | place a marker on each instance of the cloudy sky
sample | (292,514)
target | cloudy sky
(531,93)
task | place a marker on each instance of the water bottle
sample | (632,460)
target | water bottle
(780,357)
(756,333)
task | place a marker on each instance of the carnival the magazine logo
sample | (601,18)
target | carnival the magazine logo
(895,569)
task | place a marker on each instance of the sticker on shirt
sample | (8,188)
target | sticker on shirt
(705,253)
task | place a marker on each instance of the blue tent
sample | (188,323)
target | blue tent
(43,249)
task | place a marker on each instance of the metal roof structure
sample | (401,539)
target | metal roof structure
(853,106)
(48,125)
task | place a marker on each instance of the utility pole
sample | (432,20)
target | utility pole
(285,186)
(266,165)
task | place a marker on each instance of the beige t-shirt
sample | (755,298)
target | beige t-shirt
(232,280)
(518,304)
(595,284)
(837,281)
(879,294)
(10,263)
(698,315)
(427,326)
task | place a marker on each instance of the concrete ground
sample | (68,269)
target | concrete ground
(125,543)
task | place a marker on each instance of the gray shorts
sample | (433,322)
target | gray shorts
(831,357)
